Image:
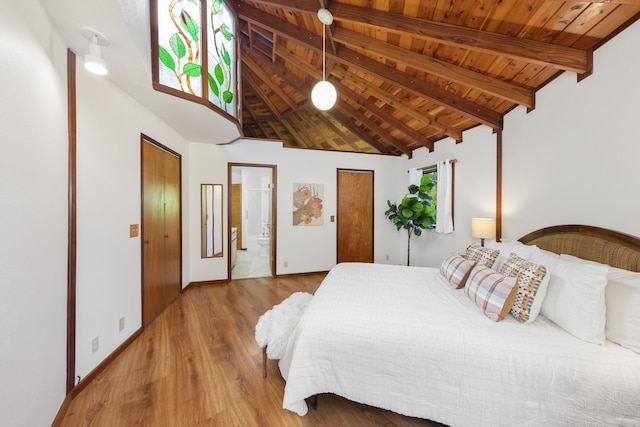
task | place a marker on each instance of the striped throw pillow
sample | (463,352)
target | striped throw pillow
(455,268)
(532,287)
(491,291)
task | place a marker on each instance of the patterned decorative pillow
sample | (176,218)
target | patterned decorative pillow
(455,268)
(482,255)
(532,287)
(491,291)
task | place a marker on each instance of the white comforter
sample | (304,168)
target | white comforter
(400,338)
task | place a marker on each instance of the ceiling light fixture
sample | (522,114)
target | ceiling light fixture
(324,94)
(93,60)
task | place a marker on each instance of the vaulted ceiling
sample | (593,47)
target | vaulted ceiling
(409,73)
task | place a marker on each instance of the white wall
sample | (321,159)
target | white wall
(109,200)
(311,248)
(576,157)
(33,213)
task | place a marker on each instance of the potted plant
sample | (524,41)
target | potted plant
(416,211)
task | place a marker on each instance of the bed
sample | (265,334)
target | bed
(405,339)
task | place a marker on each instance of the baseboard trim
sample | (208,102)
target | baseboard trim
(303,274)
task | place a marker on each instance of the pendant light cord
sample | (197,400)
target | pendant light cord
(324,55)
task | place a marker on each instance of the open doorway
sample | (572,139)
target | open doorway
(252,219)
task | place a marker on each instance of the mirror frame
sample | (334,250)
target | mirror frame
(211,233)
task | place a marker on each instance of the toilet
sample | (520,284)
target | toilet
(263,241)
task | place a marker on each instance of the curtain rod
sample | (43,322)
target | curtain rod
(453,161)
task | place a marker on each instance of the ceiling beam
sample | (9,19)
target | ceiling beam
(254,63)
(421,88)
(546,54)
(396,102)
(309,120)
(326,119)
(382,133)
(297,138)
(348,122)
(390,119)
(445,70)
(254,85)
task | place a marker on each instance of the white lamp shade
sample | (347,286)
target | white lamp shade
(95,64)
(483,228)
(93,60)
(324,95)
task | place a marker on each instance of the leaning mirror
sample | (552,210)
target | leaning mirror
(211,220)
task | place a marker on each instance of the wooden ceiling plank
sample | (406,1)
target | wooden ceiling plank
(282,137)
(301,126)
(309,120)
(374,127)
(255,88)
(384,72)
(340,132)
(253,63)
(391,120)
(547,54)
(297,138)
(518,94)
(353,127)
(398,104)
(421,89)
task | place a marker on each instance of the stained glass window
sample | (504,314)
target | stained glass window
(222,64)
(183,66)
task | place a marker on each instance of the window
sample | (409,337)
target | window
(195,52)
(432,173)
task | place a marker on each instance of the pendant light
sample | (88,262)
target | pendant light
(324,94)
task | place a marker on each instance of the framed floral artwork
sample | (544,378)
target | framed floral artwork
(307,204)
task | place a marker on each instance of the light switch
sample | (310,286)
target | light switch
(333,218)
(133,230)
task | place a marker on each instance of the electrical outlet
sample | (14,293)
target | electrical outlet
(121,324)
(133,230)
(95,344)
(387,257)
(286,264)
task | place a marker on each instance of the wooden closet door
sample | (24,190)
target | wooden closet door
(161,231)
(355,216)
(172,228)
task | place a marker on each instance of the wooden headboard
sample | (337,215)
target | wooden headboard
(588,242)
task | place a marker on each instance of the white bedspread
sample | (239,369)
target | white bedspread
(400,338)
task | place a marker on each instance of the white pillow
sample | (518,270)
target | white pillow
(575,298)
(623,308)
(506,247)
(622,298)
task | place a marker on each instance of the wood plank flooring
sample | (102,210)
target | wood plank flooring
(198,364)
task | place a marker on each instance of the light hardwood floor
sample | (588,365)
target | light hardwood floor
(198,364)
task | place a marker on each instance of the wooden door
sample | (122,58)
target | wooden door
(236,212)
(161,230)
(355,216)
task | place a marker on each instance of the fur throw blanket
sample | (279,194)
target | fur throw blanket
(276,325)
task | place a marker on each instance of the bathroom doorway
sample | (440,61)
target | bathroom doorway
(252,220)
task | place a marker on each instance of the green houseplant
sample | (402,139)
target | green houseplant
(416,211)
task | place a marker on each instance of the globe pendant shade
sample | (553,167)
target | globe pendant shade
(323,95)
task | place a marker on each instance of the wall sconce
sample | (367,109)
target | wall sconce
(324,94)
(93,60)
(483,228)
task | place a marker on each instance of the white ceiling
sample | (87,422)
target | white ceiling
(126,23)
